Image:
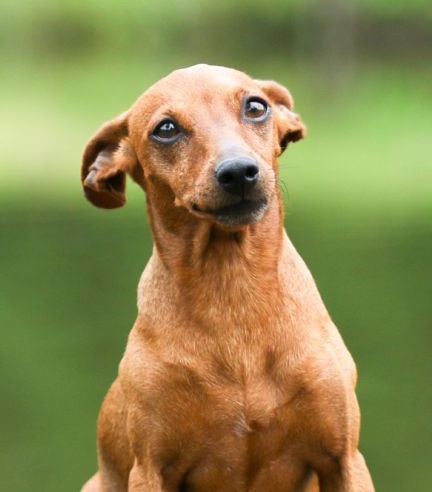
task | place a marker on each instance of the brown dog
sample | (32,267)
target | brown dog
(234,376)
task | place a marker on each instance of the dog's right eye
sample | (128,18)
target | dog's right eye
(167,131)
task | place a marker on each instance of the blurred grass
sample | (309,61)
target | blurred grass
(358,195)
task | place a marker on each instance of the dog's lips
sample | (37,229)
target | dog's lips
(241,212)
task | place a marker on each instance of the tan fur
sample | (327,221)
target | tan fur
(234,377)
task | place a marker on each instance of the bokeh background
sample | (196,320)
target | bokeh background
(358,194)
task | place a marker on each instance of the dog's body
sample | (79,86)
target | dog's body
(234,376)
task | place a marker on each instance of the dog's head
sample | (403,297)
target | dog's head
(205,139)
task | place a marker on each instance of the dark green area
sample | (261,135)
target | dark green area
(243,28)
(69,292)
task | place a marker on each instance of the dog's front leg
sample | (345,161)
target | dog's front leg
(115,456)
(144,480)
(348,475)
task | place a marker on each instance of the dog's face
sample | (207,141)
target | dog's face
(204,138)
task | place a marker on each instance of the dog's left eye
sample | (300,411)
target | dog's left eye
(167,131)
(255,109)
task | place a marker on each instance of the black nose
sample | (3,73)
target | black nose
(237,175)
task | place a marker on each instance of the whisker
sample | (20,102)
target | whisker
(283,186)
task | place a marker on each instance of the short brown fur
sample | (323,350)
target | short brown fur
(234,377)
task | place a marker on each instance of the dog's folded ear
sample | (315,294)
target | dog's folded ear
(290,126)
(107,158)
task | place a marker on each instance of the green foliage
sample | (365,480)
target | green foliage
(395,8)
(71,28)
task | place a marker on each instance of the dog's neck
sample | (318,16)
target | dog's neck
(199,257)
(190,246)
(257,266)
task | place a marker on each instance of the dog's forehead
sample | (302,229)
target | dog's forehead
(210,74)
(196,82)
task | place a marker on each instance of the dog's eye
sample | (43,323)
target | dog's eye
(255,109)
(167,131)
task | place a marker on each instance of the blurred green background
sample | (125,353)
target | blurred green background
(358,195)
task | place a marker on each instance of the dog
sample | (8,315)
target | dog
(234,377)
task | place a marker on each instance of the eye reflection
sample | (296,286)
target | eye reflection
(256,109)
(167,131)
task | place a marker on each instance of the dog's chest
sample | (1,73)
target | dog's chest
(219,423)
(234,408)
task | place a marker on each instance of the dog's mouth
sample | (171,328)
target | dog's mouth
(240,213)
